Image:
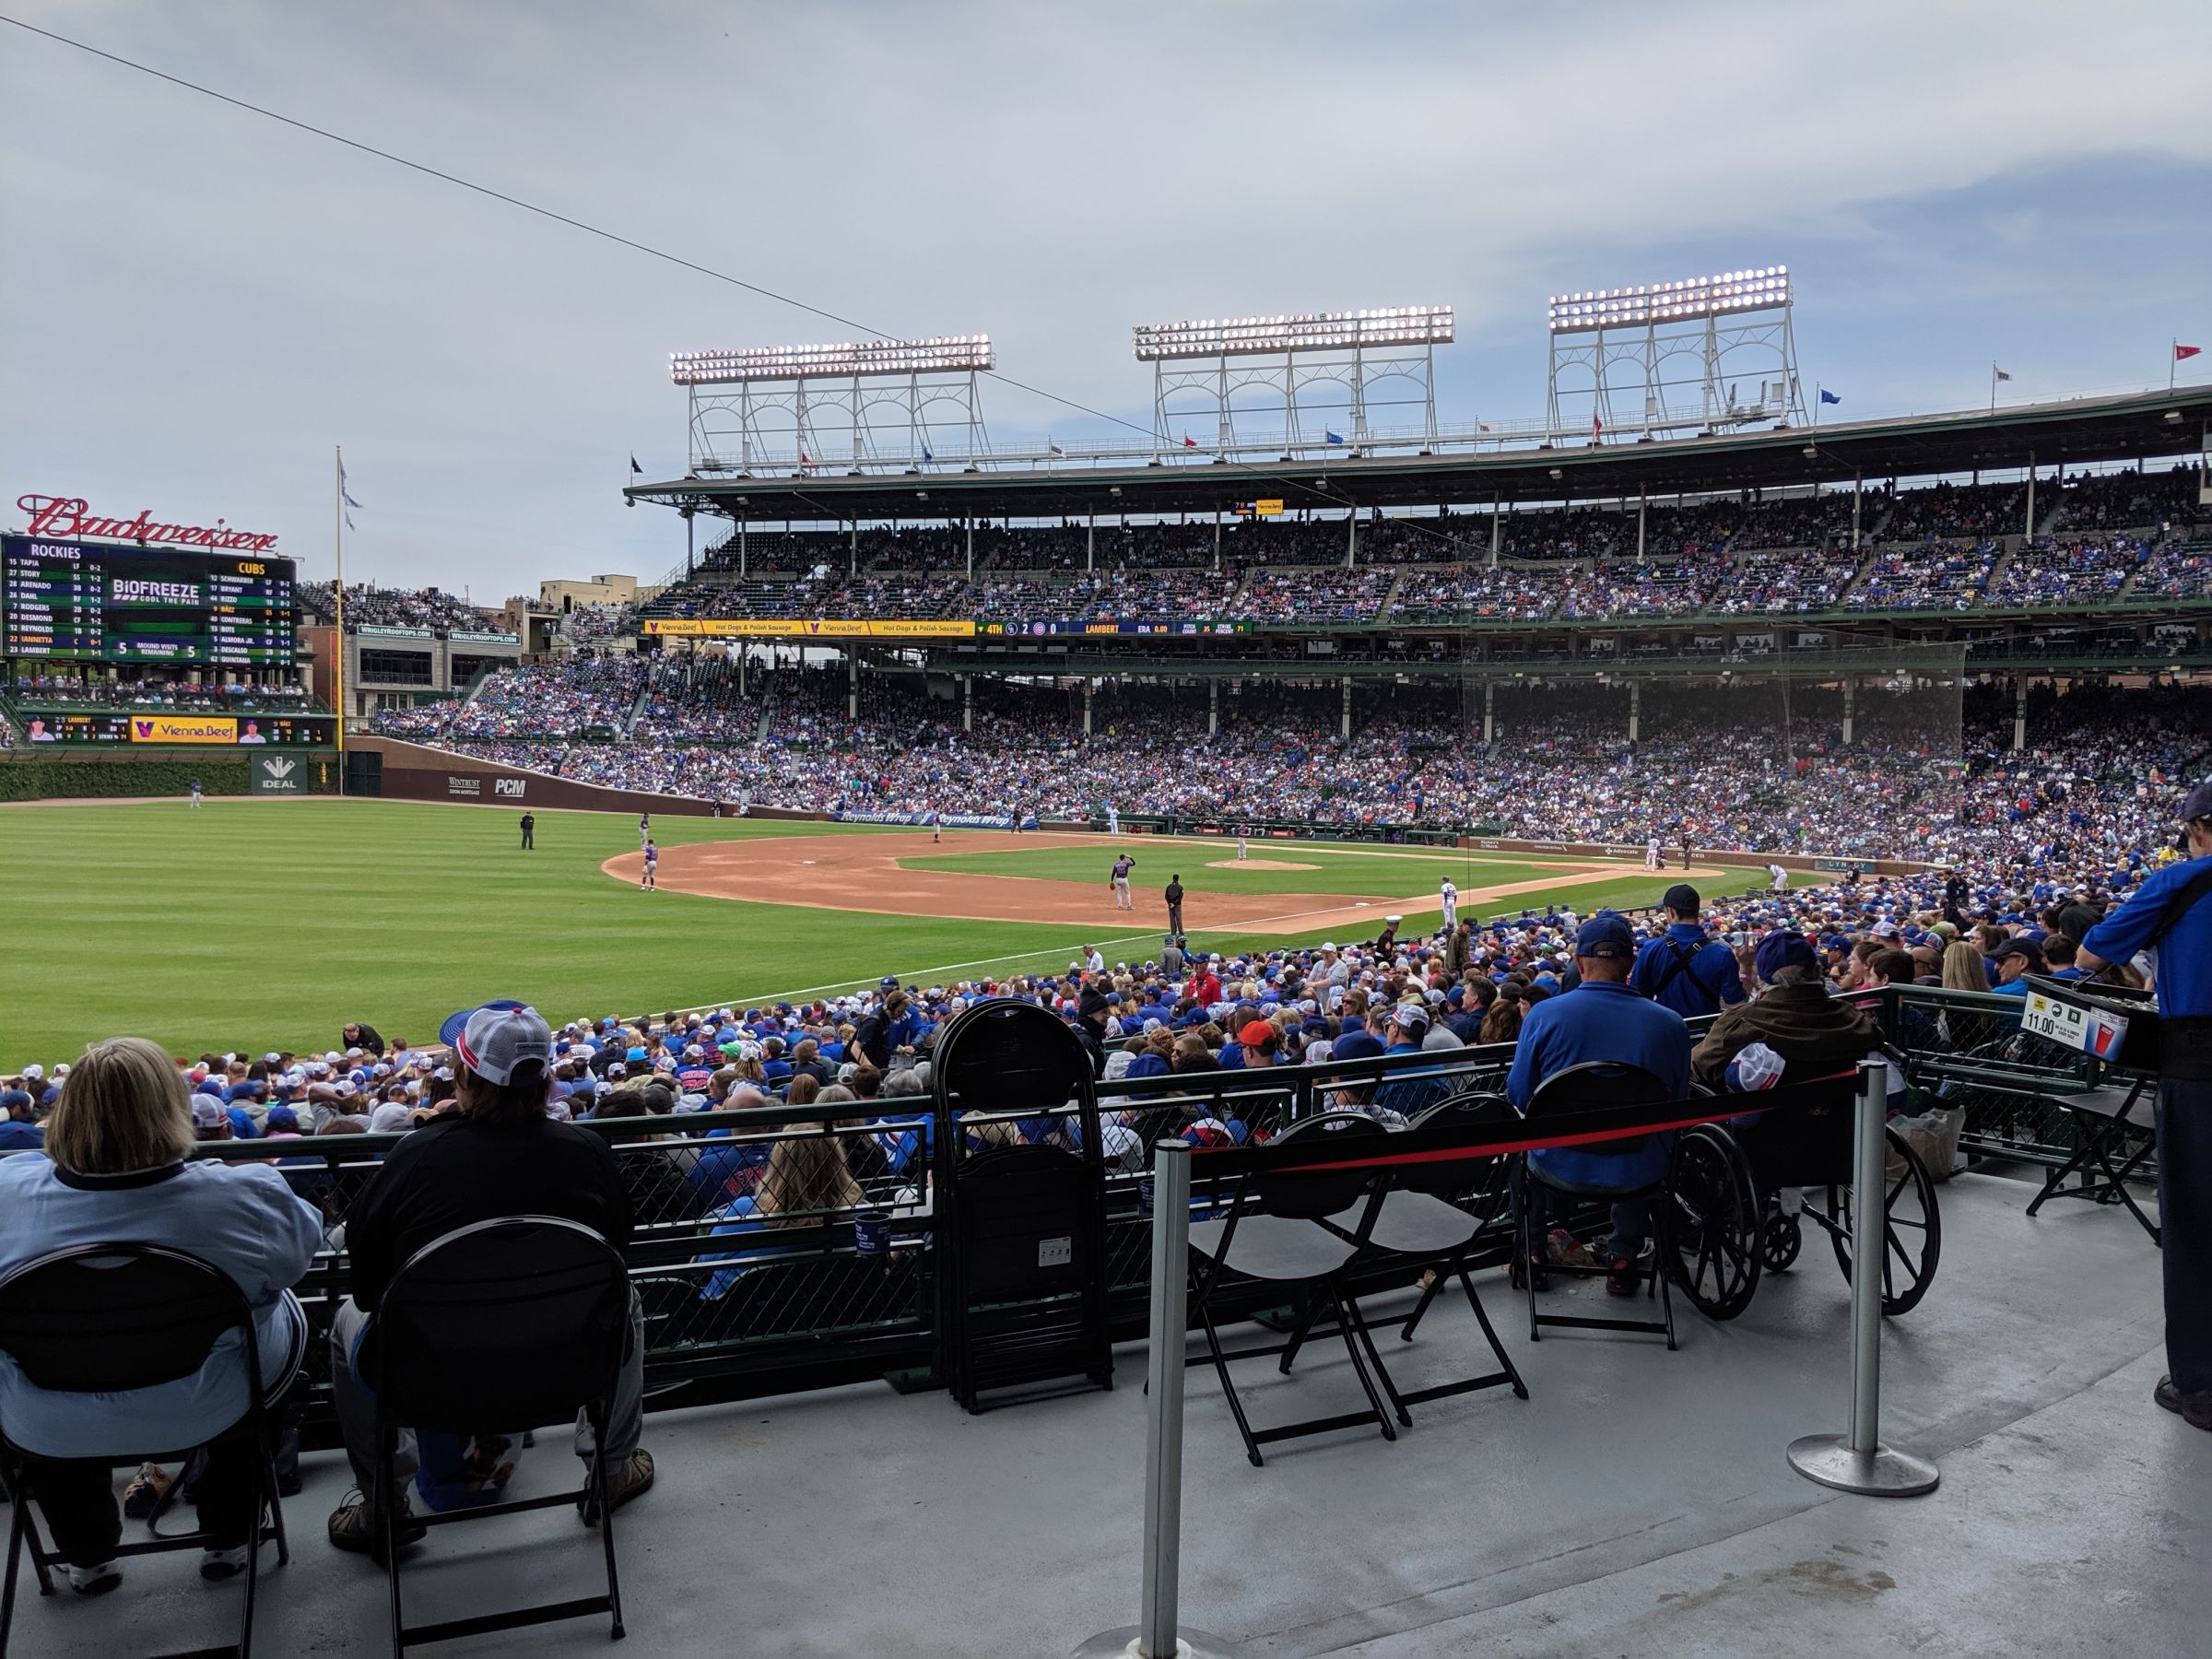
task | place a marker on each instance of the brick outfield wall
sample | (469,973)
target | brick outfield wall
(414,771)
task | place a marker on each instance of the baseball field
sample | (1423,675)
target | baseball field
(268,924)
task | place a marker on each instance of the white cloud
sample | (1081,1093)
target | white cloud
(200,303)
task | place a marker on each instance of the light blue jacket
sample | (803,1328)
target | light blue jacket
(242,1219)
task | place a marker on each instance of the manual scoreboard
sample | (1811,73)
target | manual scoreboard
(90,601)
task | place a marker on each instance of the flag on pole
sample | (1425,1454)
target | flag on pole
(1189,441)
(346,495)
(1063,454)
(2000,374)
(1332,437)
(635,469)
(1597,427)
(805,459)
(2181,354)
(926,453)
(1828,397)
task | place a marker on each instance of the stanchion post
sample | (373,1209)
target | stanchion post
(1158,1636)
(1857,1461)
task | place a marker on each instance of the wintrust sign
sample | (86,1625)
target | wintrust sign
(62,517)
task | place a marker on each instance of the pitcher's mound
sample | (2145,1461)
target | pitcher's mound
(1256,864)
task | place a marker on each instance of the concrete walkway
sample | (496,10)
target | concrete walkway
(1637,1504)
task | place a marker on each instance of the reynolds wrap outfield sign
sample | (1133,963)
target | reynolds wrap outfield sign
(837,628)
(953,820)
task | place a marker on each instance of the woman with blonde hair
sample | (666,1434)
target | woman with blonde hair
(116,1170)
(806,1181)
(1963,968)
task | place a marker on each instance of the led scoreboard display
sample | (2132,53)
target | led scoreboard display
(93,603)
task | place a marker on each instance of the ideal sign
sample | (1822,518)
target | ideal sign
(277,774)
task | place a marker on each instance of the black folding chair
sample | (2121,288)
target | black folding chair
(1274,1233)
(1417,1222)
(111,1318)
(2110,1120)
(1593,1083)
(1022,1288)
(503,1324)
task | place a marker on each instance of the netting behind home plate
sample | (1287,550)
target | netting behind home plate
(1768,739)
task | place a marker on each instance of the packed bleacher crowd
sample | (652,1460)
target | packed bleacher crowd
(368,605)
(46,689)
(1926,776)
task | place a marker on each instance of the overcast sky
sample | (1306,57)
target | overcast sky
(197,303)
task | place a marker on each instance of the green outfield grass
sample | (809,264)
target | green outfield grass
(252,924)
(1362,872)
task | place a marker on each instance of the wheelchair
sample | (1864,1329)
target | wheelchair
(1728,1219)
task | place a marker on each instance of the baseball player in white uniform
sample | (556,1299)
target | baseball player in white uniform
(1243,842)
(1781,879)
(1113,818)
(1450,896)
(1650,854)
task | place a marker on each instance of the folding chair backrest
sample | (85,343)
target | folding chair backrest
(1322,1191)
(508,1324)
(1595,1084)
(1463,1112)
(109,1318)
(1008,1056)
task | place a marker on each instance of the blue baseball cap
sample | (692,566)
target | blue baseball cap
(1785,948)
(1605,935)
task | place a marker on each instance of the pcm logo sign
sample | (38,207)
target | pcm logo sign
(510,786)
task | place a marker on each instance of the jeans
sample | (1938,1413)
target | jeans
(357,1405)
(2185,1123)
(78,1494)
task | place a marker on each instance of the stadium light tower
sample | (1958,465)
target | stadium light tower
(1659,357)
(1212,362)
(883,404)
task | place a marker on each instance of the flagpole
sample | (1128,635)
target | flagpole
(337,590)
(1993,385)
(2173,355)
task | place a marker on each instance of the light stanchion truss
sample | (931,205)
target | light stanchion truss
(1706,354)
(859,406)
(1313,382)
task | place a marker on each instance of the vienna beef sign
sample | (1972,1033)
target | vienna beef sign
(63,517)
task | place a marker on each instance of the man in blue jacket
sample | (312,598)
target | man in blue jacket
(1602,1018)
(2170,915)
(1685,968)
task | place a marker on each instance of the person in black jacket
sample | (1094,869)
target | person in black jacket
(497,1155)
(1174,898)
(356,1034)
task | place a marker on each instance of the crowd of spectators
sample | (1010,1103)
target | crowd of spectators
(148,691)
(570,696)
(1933,576)
(1753,767)
(368,606)
(2074,569)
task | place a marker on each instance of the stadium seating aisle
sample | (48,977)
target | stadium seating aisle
(1656,1528)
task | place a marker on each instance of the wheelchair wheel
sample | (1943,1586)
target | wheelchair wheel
(1712,1238)
(1780,1238)
(1912,1230)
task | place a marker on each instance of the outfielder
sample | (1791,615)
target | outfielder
(645,831)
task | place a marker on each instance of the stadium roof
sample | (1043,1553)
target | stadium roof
(2073,432)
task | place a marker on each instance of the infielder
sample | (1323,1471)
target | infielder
(1450,896)
(936,826)
(1781,882)
(1119,882)
(1243,842)
(1113,818)
(645,831)
(649,881)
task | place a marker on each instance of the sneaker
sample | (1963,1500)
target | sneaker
(625,1480)
(1623,1279)
(1532,1272)
(354,1530)
(215,1565)
(2195,1409)
(145,1492)
(96,1581)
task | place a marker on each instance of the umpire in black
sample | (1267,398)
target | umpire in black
(2171,914)
(529,832)
(1174,898)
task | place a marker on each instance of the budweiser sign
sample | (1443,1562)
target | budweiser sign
(64,516)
